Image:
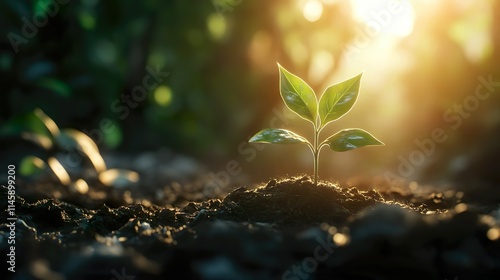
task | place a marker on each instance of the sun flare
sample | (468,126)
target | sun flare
(395,17)
(313,9)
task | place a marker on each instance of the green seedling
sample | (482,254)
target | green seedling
(335,102)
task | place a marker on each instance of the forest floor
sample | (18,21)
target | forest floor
(285,229)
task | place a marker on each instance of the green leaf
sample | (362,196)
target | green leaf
(31,166)
(338,99)
(49,123)
(350,139)
(277,136)
(39,139)
(298,95)
(76,141)
(22,123)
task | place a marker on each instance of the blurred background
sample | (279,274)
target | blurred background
(199,78)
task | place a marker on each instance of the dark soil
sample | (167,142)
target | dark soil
(288,229)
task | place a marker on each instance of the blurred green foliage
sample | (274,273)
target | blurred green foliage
(91,52)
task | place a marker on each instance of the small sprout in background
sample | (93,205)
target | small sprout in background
(41,140)
(49,123)
(76,140)
(80,186)
(31,166)
(44,132)
(119,178)
(59,171)
(334,103)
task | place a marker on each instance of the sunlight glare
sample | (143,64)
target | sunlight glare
(118,177)
(386,16)
(59,171)
(329,2)
(313,9)
(322,62)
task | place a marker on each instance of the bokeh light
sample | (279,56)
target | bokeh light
(216,26)
(313,9)
(163,95)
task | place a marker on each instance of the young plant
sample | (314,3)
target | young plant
(335,102)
